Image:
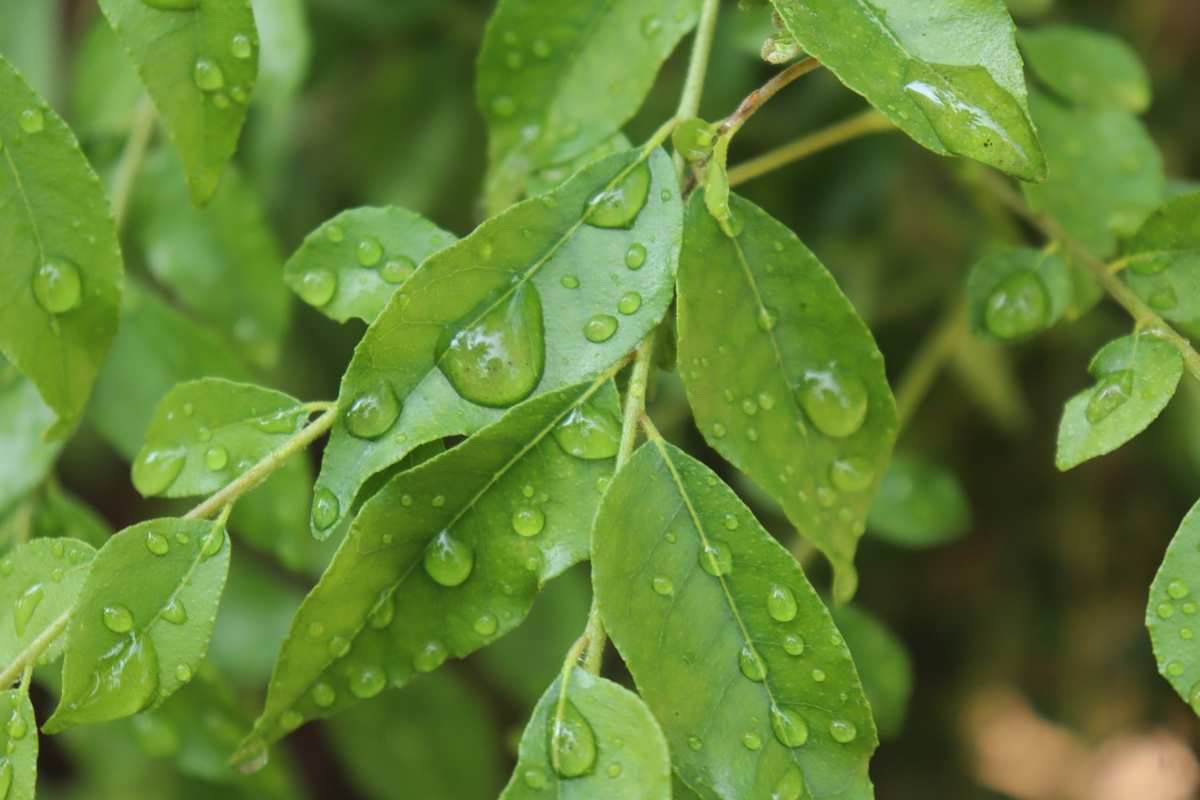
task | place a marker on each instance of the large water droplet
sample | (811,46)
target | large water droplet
(317,287)
(117,618)
(835,401)
(372,412)
(789,727)
(495,356)
(1110,394)
(572,742)
(448,561)
(528,521)
(367,682)
(174,612)
(618,206)
(853,474)
(781,603)
(369,251)
(1018,306)
(589,432)
(216,458)
(600,328)
(57,286)
(27,603)
(155,470)
(793,644)
(429,657)
(716,558)
(751,663)
(208,75)
(843,731)
(157,544)
(325,508)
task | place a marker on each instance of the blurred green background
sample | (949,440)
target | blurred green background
(1032,671)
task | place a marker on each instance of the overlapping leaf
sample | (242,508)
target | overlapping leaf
(549,293)
(728,643)
(25,456)
(1087,67)
(1171,612)
(60,282)
(1163,261)
(39,581)
(132,643)
(1136,376)
(947,72)
(783,376)
(447,557)
(19,740)
(198,60)
(1012,294)
(589,738)
(351,265)
(550,88)
(207,432)
(920,504)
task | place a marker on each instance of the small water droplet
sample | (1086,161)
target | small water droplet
(241,46)
(793,644)
(369,251)
(339,646)
(429,657)
(372,412)
(662,585)
(635,256)
(569,282)
(1165,610)
(504,106)
(214,540)
(486,625)
(367,682)
(629,303)
(730,522)
(448,561)
(157,544)
(751,741)
(619,205)
(17,727)
(183,673)
(174,612)
(535,779)
(325,508)
(1110,393)
(397,270)
(1163,299)
(768,318)
(541,49)
(752,664)
(843,731)
(155,470)
(317,287)
(716,559)
(438,500)
(818,675)
(216,458)
(32,120)
(789,727)
(1177,589)
(528,521)
(572,742)
(1175,669)
(27,603)
(208,75)
(600,328)
(836,402)
(117,618)
(718,430)
(58,286)
(781,603)
(1017,307)
(323,695)
(384,611)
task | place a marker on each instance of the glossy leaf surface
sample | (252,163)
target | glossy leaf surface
(1013,294)
(351,265)
(589,738)
(729,645)
(207,432)
(30,596)
(783,376)
(199,63)
(1171,611)
(920,504)
(946,72)
(467,315)
(132,643)
(444,559)
(1136,376)
(60,283)
(1087,67)
(1163,260)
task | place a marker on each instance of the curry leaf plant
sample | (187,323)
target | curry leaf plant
(600,395)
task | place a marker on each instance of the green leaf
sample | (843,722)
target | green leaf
(1013,294)
(286,48)
(207,432)
(18,738)
(32,599)
(199,62)
(351,265)
(60,513)
(437,735)
(157,348)
(946,72)
(447,557)
(60,283)
(784,378)
(554,283)
(920,504)
(1136,377)
(1030,8)
(728,643)
(883,664)
(1171,611)
(549,178)
(590,738)
(25,457)
(104,86)
(132,643)
(1087,67)
(1105,174)
(30,41)
(550,88)
(1163,260)
(222,261)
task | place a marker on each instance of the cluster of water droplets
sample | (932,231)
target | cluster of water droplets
(318,285)
(210,78)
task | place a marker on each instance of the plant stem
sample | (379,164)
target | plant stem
(1143,315)
(756,99)
(931,356)
(132,157)
(635,400)
(693,84)
(870,121)
(34,649)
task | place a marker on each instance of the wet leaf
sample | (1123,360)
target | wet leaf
(1171,612)
(946,72)
(551,91)
(1163,260)
(1087,67)
(199,65)
(1136,376)
(463,317)
(589,738)
(30,596)
(728,644)
(1014,294)
(920,504)
(444,559)
(207,432)
(352,265)
(19,740)
(25,456)
(883,664)
(60,283)
(783,376)
(132,643)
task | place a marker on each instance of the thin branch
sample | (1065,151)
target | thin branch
(931,356)
(758,98)
(132,157)
(30,653)
(870,121)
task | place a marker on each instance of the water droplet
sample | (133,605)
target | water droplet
(448,561)
(540,48)
(818,675)
(325,508)
(504,106)
(793,644)
(629,303)
(1110,393)
(1177,589)
(572,742)
(843,731)
(32,120)
(323,695)
(662,585)
(781,603)
(716,559)
(117,619)
(1175,669)
(569,282)
(730,522)
(429,657)
(208,75)
(1165,610)
(317,287)
(635,256)
(589,432)
(651,26)
(718,430)
(57,286)
(339,646)
(1017,307)
(486,625)
(367,682)
(157,544)
(789,727)
(438,500)
(369,251)
(618,206)
(241,46)
(372,412)
(835,402)
(27,603)
(17,726)
(767,318)
(397,270)
(174,612)
(600,328)
(155,470)
(183,673)
(496,355)
(216,458)
(535,779)
(214,540)
(528,521)
(383,612)
(751,741)
(853,474)
(751,663)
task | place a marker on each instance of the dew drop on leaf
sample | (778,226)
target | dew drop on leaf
(183,673)
(751,663)
(174,612)
(600,328)
(528,521)
(57,286)
(535,779)
(117,618)
(32,120)
(1177,589)
(325,508)
(716,559)
(635,256)
(618,206)
(216,458)
(448,561)
(383,613)
(793,644)
(572,742)
(768,318)
(843,731)
(834,401)
(751,741)
(588,433)
(241,47)
(853,474)
(486,625)
(781,603)
(372,412)
(789,727)
(208,75)
(504,106)
(25,605)
(157,544)
(662,585)
(1018,306)
(323,695)
(317,287)
(367,682)
(369,251)
(431,656)
(156,470)
(17,727)
(397,270)
(629,303)
(1110,394)
(790,786)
